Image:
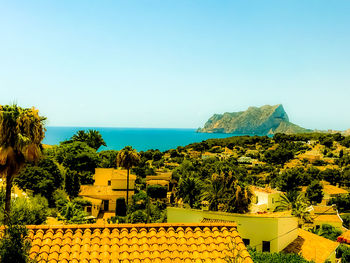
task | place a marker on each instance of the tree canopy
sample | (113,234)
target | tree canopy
(21,133)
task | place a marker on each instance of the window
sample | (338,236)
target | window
(109,182)
(246,241)
(273,200)
(266,246)
(88,209)
(257,199)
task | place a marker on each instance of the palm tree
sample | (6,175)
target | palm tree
(285,203)
(298,204)
(21,133)
(92,138)
(239,197)
(95,139)
(127,158)
(213,191)
(189,189)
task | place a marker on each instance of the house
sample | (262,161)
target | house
(325,215)
(311,156)
(265,199)
(270,232)
(313,247)
(110,184)
(208,155)
(163,179)
(331,191)
(245,160)
(15,190)
(137,243)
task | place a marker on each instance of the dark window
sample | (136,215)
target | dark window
(88,209)
(266,246)
(246,241)
(109,182)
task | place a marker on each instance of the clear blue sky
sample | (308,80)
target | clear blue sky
(170,63)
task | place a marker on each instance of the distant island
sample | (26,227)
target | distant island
(260,121)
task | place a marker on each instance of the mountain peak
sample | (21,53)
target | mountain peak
(255,120)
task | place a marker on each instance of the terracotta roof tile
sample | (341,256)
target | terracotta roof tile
(204,242)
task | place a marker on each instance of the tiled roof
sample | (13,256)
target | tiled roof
(160,182)
(344,238)
(328,218)
(311,246)
(138,243)
(98,191)
(324,209)
(333,190)
(265,190)
(160,176)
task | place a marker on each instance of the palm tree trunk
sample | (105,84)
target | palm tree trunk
(9,180)
(127,189)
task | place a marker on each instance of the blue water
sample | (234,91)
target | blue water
(141,139)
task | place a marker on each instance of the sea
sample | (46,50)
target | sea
(142,139)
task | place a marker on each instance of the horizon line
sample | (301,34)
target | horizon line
(69,126)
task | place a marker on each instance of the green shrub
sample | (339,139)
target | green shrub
(157,191)
(342,203)
(28,211)
(327,231)
(264,257)
(14,247)
(137,217)
(116,220)
(343,252)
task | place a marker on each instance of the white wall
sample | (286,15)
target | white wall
(254,228)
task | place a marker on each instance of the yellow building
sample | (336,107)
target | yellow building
(15,191)
(163,179)
(326,215)
(331,191)
(313,247)
(270,232)
(265,199)
(110,184)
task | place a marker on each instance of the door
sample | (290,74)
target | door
(106,205)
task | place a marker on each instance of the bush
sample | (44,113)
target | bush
(343,252)
(28,211)
(116,220)
(72,183)
(264,257)
(137,217)
(14,247)
(43,179)
(342,203)
(278,156)
(327,231)
(314,192)
(73,213)
(157,191)
(120,209)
